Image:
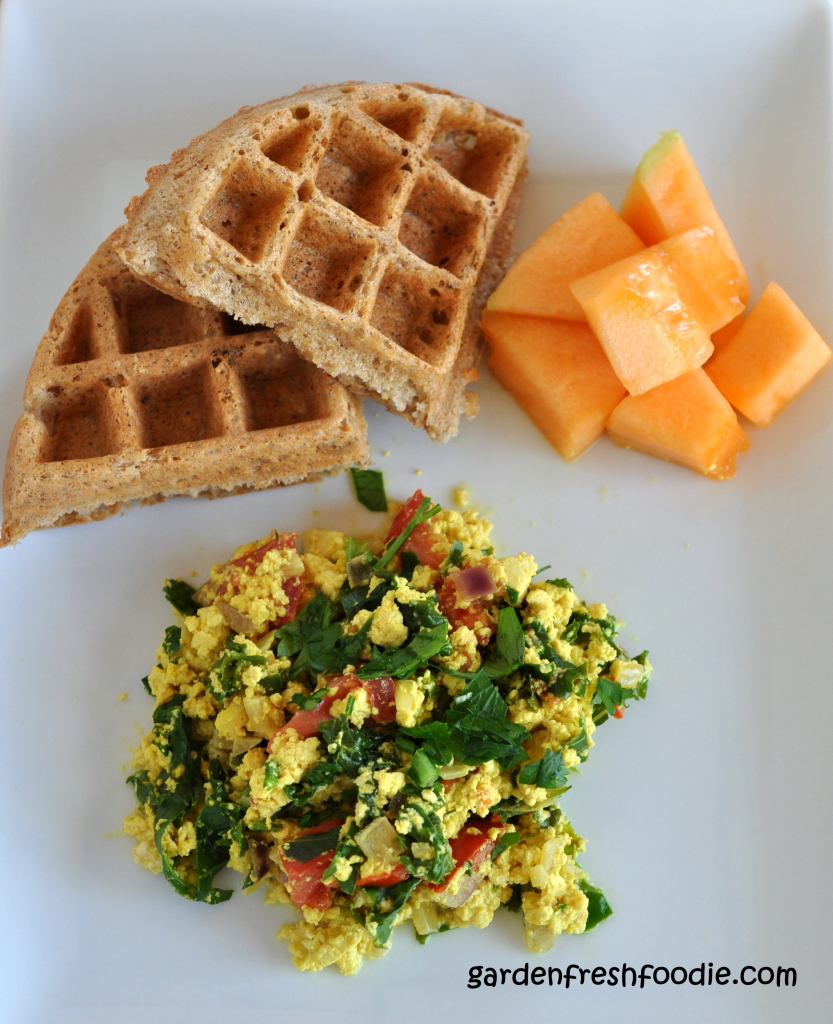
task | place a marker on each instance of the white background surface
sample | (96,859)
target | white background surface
(708,807)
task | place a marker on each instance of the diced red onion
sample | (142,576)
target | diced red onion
(474,582)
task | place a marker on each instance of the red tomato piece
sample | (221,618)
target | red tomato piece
(306,723)
(473,615)
(422,538)
(619,712)
(471,845)
(304,884)
(381,879)
(381,695)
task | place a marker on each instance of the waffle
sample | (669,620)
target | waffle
(368,223)
(133,395)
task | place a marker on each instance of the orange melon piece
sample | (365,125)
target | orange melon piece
(667,196)
(722,337)
(558,373)
(686,421)
(588,236)
(647,333)
(706,279)
(771,360)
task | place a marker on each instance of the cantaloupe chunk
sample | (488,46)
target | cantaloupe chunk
(667,196)
(588,236)
(771,360)
(647,333)
(706,279)
(558,373)
(686,421)
(722,337)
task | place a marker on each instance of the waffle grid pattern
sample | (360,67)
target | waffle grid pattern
(375,203)
(136,395)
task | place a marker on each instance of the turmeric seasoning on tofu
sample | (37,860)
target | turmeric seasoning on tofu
(378,732)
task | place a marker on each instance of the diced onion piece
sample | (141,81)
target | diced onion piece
(539,939)
(358,571)
(476,581)
(548,851)
(240,746)
(239,622)
(378,841)
(425,919)
(455,770)
(538,876)
(469,884)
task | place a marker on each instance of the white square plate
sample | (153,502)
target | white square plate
(708,808)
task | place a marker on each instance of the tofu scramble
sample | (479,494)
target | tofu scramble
(378,732)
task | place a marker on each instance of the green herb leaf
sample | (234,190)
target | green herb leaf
(423,513)
(549,772)
(566,584)
(504,842)
(173,641)
(509,647)
(317,639)
(386,904)
(225,677)
(370,489)
(181,596)
(304,848)
(597,906)
(455,555)
(480,730)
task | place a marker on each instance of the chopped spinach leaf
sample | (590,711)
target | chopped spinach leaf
(561,582)
(386,904)
(597,906)
(549,772)
(429,831)
(509,647)
(304,848)
(181,596)
(370,489)
(173,641)
(504,842)
(215,826)
(225,677)
(316,641)
(402,662)
(146,684)
(479,727)
(455,554)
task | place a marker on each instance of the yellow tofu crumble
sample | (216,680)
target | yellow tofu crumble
(378,733)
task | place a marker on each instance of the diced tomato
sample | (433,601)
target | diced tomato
(381,695)
(383,878)
(304,881)
(306,723)
(473,615)
(619,712)
(422,538)
(471,845)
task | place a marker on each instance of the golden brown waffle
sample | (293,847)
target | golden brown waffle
(134,395)
(368,223)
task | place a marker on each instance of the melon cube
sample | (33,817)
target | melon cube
(558,373)
(588,236)
(706,279)
(771,359)
(667,196)
(686,421)
(647,333)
